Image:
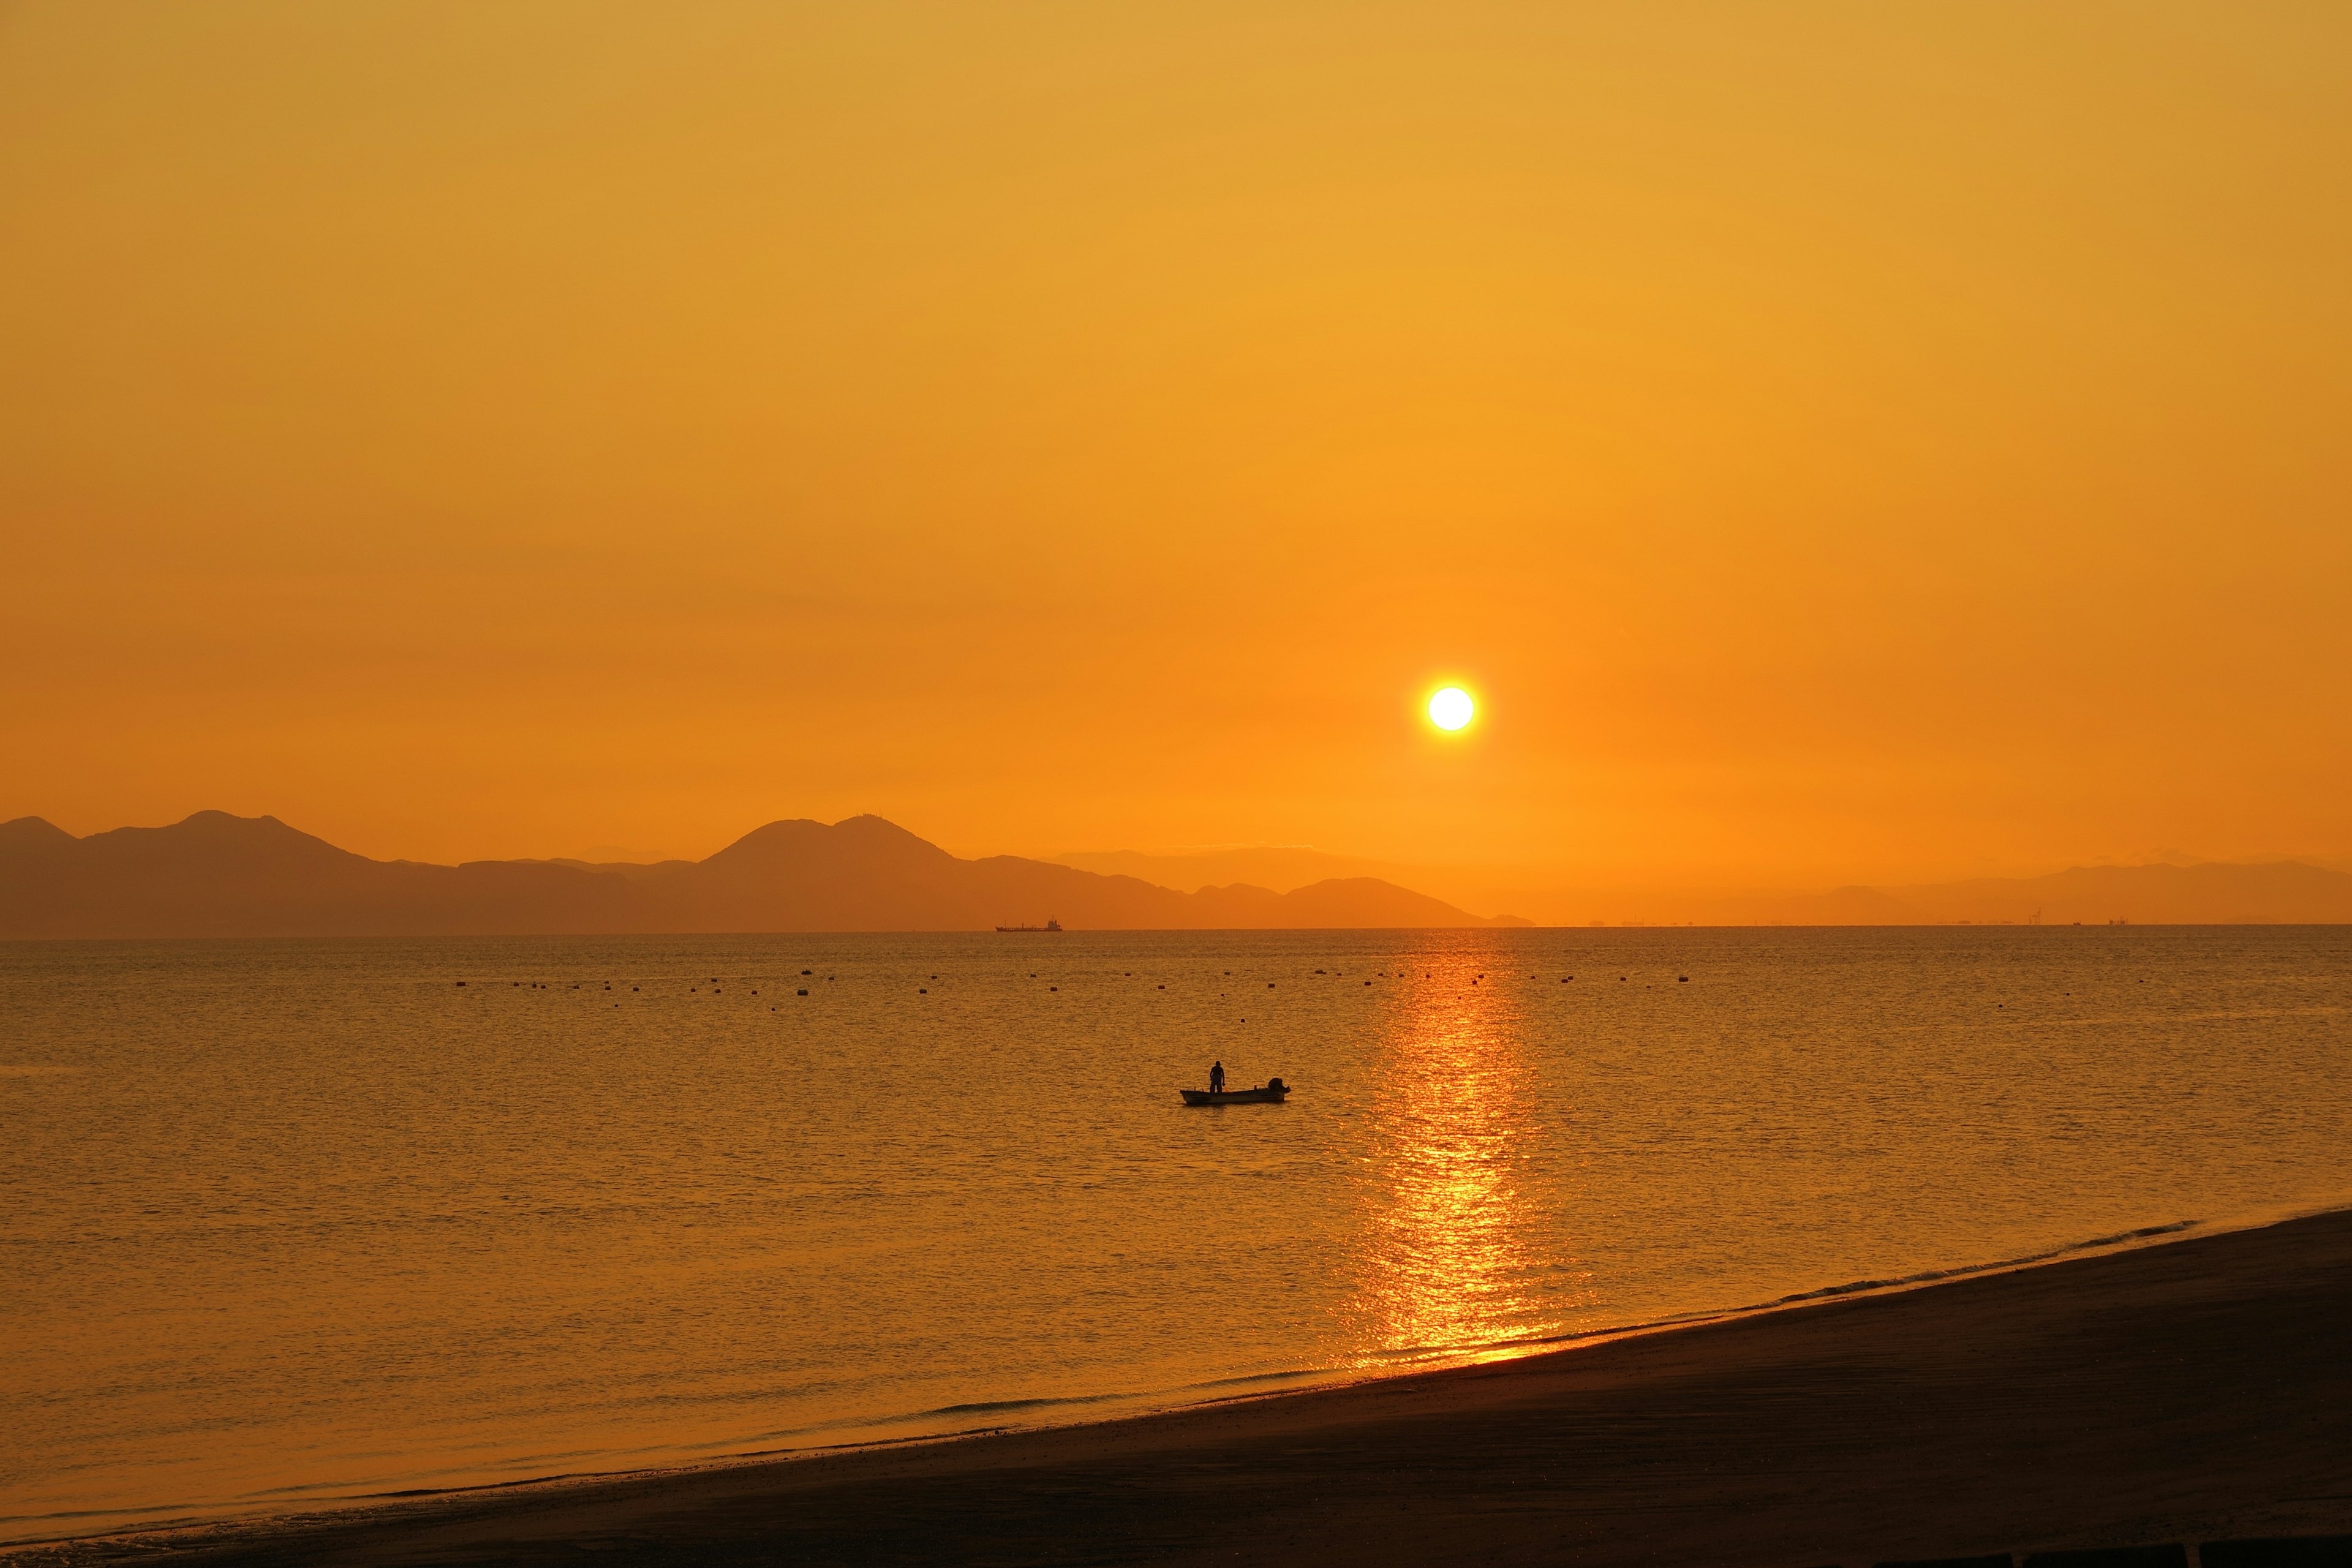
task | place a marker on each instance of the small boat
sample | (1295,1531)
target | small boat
(1267,1093)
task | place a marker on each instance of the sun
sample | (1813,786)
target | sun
(1451,708)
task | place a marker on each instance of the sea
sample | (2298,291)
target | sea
(288,1223)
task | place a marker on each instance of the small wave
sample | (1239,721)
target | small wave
(1929,1276)
(1247,1378)
(998,1407)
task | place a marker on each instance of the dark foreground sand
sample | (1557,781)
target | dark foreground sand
(2193,1391)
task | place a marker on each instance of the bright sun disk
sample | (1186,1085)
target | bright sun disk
(1450,708)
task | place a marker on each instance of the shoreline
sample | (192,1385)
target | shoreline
(830,1500)
(181,1519)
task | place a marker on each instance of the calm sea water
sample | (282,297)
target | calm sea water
(288,1222)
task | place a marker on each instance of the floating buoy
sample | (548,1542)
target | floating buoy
(802,992)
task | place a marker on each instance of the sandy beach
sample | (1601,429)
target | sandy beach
(2192,1391)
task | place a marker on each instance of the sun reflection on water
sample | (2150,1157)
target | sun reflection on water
(1454,1244)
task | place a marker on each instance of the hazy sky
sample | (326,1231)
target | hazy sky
(1853,442)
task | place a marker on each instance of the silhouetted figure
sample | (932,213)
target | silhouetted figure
(1217,1078)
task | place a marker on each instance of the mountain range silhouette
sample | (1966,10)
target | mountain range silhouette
(218,875)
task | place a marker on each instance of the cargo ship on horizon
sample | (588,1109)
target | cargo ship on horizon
(1049,925)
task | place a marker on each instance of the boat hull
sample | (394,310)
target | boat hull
(1234,1096)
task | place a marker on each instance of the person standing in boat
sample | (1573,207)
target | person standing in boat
(1217,1078)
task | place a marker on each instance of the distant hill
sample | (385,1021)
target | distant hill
(1285,867)
(1278,867)
(217,875)
(2282,893)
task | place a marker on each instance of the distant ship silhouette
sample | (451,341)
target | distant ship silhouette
(1049,925)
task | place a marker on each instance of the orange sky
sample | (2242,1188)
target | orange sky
(1836,442)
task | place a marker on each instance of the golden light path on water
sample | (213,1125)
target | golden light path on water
(1454,1241)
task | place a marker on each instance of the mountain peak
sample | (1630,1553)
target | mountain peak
(800,839)
(221,839)
(872,830)
(229,822)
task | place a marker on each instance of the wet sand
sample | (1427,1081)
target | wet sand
(2192,1391)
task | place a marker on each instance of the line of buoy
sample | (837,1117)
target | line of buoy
(924,991)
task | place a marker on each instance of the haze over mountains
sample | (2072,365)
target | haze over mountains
(218,875)
(1278,867)
(2281,892)
(2176,892)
